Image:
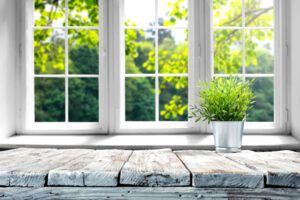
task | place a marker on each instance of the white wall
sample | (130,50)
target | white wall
(295,66)
(8,62)
(7,66)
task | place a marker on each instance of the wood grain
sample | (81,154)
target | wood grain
(97,168)
(31,168)
(16,159)
(154,168)
(280,169)
(212,170)
(146,193)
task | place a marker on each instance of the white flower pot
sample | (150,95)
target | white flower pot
(228,135)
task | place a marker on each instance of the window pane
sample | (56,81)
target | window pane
(139,12)
(49,12)
(83,51)
(83,13)
(263,110)
(140,54)
(49,99)
(228,55)
(140,99)
(173,99)
(49,51)
(259,12)
(83,100)
(173,51)
(259,51)
(173,12)
(227,13)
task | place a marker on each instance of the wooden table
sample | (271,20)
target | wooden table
(152,174)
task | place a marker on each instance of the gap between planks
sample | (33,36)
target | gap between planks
(161,167)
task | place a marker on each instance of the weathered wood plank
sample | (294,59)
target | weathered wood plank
(154,168)
(30,168)
(97,168)
(15,159)
(147,193)
(34,173)
(280,169)
(212,170)
(290,156)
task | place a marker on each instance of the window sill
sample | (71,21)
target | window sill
(176,142)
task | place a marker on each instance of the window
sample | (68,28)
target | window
(156,61)
(67,65)
(122,66)
(244,33)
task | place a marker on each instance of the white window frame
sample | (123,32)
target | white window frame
(157,127)
(110,75)
(280,124)
(28,125)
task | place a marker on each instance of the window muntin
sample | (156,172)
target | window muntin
(66,61)
(198,68)
(156,61)
(244,44)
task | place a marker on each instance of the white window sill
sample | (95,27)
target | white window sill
(251,142)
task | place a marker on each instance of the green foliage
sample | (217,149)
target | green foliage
(263,108)
(223,99)
(172,58)
(83,100)
(140,99)
(49,58)
(49,100)
(228,42)
(49,52)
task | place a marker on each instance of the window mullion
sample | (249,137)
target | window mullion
(243,40)
(156,64)
(66,64)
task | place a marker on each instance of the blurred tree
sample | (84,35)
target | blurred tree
(49,58)
(49,45)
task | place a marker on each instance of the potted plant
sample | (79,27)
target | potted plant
(224,102)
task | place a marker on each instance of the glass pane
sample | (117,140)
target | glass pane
(173,99)
(83,100)
(227,13)
(228,51)
(49,13)
(83,51)
(263,110)
(140,99)
(173,12)
(259,12)
(259,51)
(173,51)
(83,13)
(139,12)
(140,54)
(49,99)
(49,51)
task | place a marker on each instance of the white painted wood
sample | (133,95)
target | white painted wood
(280,169)
(29,126)
(31,168)
(154,168)
(212,170)
(290,156)
(146,193)
(97,168)
(15,159)
(134,142)
(34,174)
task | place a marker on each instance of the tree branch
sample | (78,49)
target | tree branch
(232,33)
